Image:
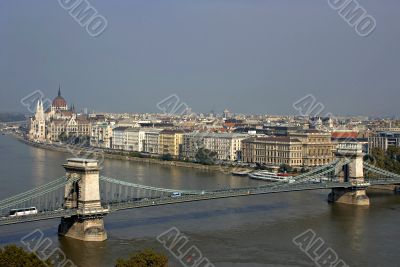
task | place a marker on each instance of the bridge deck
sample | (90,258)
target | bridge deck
(218,194)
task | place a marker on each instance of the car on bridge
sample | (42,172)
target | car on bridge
(176,194)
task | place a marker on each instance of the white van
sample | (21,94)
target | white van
(176,194)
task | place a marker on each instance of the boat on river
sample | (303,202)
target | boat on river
(271,176)
(241,172)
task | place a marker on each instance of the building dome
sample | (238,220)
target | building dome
(59,102)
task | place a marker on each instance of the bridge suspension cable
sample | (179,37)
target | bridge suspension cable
(42,192)
(313,174)
(152,188)
(316,170)
(34,190)
(377,170)
(316,173)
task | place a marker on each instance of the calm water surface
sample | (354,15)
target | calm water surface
(247,231)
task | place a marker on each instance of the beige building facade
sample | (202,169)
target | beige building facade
(318,148)
(227,145)
(273,151)
(170,142)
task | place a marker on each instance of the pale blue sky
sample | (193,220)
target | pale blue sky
(250,56)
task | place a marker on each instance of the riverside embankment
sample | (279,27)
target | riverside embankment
(98,153)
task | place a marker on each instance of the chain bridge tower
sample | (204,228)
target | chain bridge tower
(351,173)
(83,194)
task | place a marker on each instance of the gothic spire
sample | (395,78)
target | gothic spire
(59,90)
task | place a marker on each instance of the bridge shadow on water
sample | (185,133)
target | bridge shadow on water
(197,215)
(12,234)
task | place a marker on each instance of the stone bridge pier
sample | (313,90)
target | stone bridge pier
(83,195)
(352,172)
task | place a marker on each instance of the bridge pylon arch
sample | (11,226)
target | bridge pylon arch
(84,196)
(352,173)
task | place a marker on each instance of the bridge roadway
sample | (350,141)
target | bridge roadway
(207,195)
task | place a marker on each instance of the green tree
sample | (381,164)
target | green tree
(206,156)
(135,154)
(166,157)
(63,137)
(144,258)
(285,168)
(13,256)
(388,160)
(393,153)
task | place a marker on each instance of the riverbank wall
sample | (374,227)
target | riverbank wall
(118,155)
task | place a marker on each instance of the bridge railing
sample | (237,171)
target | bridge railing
(38,217)
(92,211)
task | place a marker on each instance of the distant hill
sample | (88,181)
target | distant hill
(11,116)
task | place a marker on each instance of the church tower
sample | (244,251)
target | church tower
(37,125)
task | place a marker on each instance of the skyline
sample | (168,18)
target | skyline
(257,57)
(308,106)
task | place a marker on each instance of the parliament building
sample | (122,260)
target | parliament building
(58,120)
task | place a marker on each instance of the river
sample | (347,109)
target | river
(245,231)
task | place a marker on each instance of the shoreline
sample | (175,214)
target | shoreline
(106,154)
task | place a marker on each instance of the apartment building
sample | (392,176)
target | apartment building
(170,142)
(119,138)
(191,143)
(151,141)
(227,145)
(101,135)
(132,141)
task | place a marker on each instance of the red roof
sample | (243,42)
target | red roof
(344,134)
(59,102)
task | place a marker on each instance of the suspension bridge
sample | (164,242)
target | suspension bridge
(82,197)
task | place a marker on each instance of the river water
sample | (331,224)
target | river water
(245,231)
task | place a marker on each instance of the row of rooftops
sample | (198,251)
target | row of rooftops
(181,131)
(79,119)
(137,129)
(388,134)
(268,139)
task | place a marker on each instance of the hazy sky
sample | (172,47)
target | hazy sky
(250,56)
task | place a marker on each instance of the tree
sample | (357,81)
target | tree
(13,256)
(135,154)
(388,160)
(393,153)
(166,157)
(206,156)
(144,258)
(63,137)
(285,168)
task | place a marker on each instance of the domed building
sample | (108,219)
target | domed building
(57,121)
(59,102)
